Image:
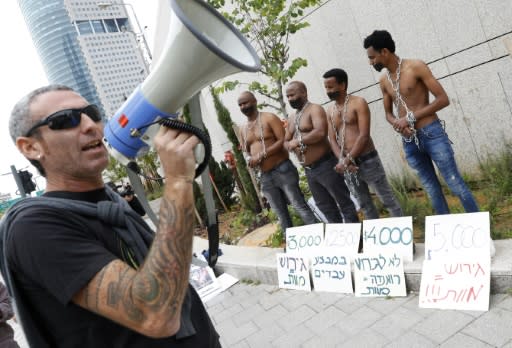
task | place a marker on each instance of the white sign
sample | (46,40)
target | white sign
(457,235)
(330,271)
(456,284)
(379,274)
(204,282)
(389,235)
(303,239)
(293,272)
(344,237)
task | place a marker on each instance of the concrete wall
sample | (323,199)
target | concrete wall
(479,119)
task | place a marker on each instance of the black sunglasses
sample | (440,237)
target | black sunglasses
(66,119)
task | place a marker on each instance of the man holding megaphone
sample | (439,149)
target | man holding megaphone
(84,268)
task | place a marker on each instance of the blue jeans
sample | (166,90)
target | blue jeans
(435,147)
(330,191)
(371,173)
(281,185)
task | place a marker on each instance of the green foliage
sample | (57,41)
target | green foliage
(268,25)
(244,222)
(223,178)
(497,181)
(148,164)
(497,171)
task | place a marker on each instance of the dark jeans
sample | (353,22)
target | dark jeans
(330,191)
(371,174)
(281,184)
(434,147)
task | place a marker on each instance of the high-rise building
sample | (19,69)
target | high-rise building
(88,45)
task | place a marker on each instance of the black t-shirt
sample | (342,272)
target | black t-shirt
(53,254)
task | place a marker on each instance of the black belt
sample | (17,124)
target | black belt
(319,161)
(366,156)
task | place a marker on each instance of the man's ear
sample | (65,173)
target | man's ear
(30,147)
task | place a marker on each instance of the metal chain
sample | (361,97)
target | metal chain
(298,134)
(261,136)
(395,85)
(351,177)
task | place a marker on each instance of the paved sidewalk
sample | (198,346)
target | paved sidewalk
(266,316)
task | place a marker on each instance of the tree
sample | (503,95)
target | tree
(268,25)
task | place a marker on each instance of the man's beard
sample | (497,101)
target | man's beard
(248,111)
(296,104)
(378,67)
(334,95)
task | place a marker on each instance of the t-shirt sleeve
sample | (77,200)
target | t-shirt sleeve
(59,252)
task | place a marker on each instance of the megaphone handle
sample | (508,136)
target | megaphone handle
(203,136)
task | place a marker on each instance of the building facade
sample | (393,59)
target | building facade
(463,42)
(90,46)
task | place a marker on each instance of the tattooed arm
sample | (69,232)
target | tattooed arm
(149,300)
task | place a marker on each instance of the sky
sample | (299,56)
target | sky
(22,72)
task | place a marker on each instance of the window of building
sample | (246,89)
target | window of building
(84,27)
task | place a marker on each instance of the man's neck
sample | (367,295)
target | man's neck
(252,117)
(392,66)
(303,106)
(340,101)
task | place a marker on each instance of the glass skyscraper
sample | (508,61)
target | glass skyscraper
(89,46)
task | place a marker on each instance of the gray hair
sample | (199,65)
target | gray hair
(21,119)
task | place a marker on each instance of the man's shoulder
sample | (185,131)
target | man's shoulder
(268,116)
(358,100)
(413,63)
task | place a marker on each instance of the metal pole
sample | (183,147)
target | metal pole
(19,183)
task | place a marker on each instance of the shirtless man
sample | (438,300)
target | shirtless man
(349,135)
(262,138)
(405,88)
(306,135)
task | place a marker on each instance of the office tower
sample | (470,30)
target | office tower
(88,45)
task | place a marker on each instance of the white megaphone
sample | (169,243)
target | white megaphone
(202,47)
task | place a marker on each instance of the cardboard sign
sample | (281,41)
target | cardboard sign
(293,272)
(330,271)
(456,284)
(303,239)
(389,235)
(344,237)
(379,274)
(457,235)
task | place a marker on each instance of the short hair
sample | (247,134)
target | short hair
(339,74)
(380,39)
(249,93)
(21,120)
(300,85)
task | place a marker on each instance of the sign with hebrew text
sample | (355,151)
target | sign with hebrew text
(344,237)
(456,284)
(330,271)
(379,274)
(293,272)
(389,235)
